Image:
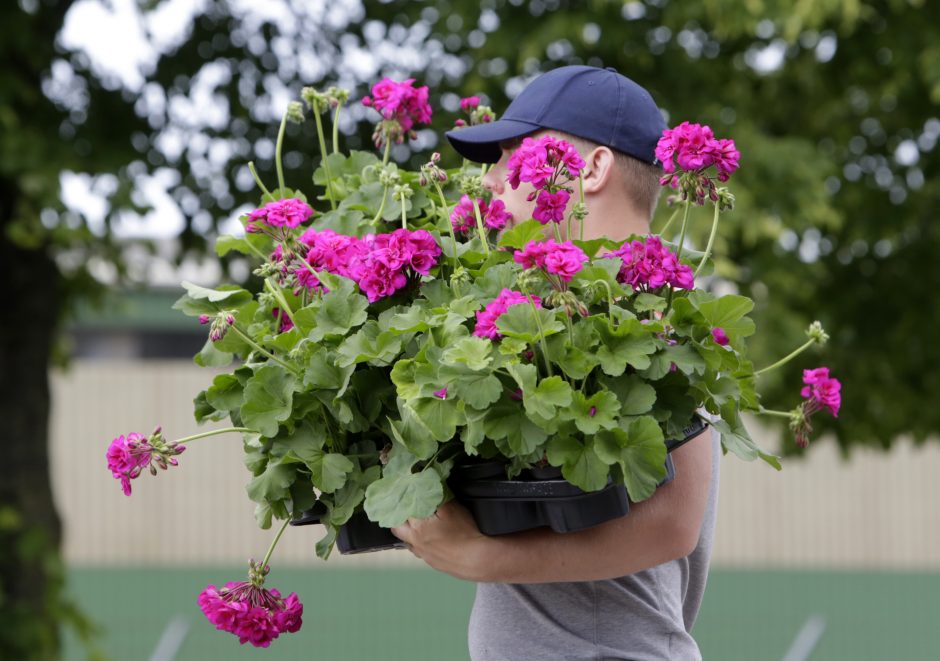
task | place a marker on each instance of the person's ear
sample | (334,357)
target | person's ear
(598,170)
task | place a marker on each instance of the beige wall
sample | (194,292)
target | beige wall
(875,511)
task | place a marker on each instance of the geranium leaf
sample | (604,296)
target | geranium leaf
(580,465)
(599,411)
(225,393)
(471,351)
(551,393)
(520,235)
(393,499)
(267,399)
(520,322)
(639,451)
(272,484)
(627,344)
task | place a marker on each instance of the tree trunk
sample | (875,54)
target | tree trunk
(31,574)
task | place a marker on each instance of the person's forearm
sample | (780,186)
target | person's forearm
(660,529)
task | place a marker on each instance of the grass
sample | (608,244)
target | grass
(377,614)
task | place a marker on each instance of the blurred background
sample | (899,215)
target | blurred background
(125,129)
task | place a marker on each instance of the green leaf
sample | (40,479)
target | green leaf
(439,416)
(591,247)
(640,451)
(348,498)
(203,411)
(580,465)
(210,356)
(474,352)
(519,321)
(507,421)
(201,300)
(635,395)
(340,310)
(272,484)
(590,414)
(325,545)
(225,393)
(627,344)
(646,302)
(328,470)
(371,345)
(520,235)
(551,393)
(268,398)
(477,389)
(728,313)
(392,500)
(322,371)
(413,434)
(242,244)
(735,438)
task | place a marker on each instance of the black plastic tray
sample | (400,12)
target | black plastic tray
(358,535)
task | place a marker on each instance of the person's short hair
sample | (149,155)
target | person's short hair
(640,180)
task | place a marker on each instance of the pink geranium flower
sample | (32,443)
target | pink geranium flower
(486,318)
(129,455)
(561,259)
(694,148)
(250,611)
(821,390)
(400,102)
(550,207)
(288,213)
(649,264)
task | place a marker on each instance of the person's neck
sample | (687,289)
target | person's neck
(612,218)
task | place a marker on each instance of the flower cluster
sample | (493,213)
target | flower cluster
(129,455)
(486,318)
(650,264)
(820,392)
(561,259)
(548,163)
(401,106)
(694,149)
(220,324)
(477,113)
(250,611)
(379,264)
(494,215)
(289,213)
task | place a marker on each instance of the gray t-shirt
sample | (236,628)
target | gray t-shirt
(646,616)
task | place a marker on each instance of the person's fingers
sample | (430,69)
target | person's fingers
(404,532)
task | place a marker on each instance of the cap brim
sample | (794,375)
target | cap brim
(481,143)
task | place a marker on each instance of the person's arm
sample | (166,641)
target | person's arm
(664,527)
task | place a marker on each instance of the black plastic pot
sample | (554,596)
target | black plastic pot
(539,497)
(358,535)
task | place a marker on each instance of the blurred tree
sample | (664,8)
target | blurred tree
(834,105)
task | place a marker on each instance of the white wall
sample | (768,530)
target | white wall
(876,511)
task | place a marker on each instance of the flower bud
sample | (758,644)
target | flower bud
(295,112)
(725,200)
(153,469)
(816,333)
(204,319)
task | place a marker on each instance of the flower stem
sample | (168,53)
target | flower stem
(778,414)
(711,242)
(254,173)
(685,222)
(610,301)
(257,347)
(339,106)
(581,200)
(388,150)
(557,232)
(277,538)
(378,215)
(404,212)
(277,154)
(481,230)
(325,160)
(786,359)
(214,432)
(279,295)
(669,222)
(538,323)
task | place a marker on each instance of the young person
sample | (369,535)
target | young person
(629,588)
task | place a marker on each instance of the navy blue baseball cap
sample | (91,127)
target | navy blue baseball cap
(600,105)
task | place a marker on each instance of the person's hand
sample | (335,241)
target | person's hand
(448,540)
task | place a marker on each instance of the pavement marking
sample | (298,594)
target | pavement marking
(171,639)
(807,639)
